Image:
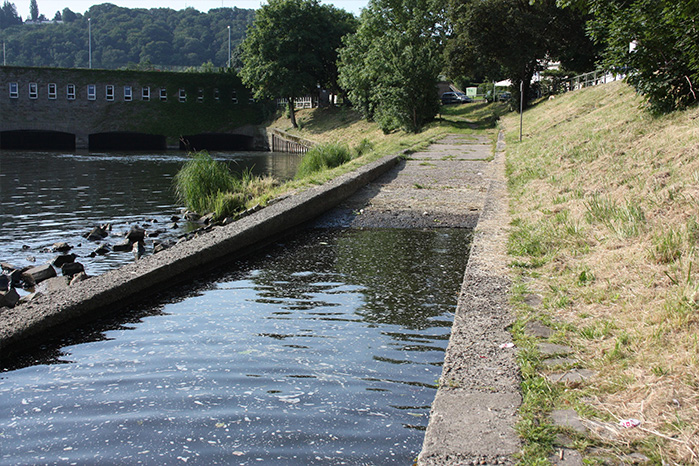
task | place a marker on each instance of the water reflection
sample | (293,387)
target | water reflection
(324,351)
(48,197)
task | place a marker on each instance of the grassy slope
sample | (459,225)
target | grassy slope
(604,201)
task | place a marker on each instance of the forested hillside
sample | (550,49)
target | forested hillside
(159,37)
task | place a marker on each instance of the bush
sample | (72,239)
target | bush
(363,147)
(205,185)
(228,204)
(323,157)
(200,180)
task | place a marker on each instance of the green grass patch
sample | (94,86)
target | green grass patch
(205,186)
(323,157)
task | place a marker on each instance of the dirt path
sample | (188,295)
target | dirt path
(458,182)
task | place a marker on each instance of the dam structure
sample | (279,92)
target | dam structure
(68,109)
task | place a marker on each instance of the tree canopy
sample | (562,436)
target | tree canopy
(123,36)
(291,48)
(655,42)
(390,67)
(516,38)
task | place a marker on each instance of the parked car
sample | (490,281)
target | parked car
(504,97)
(454,98)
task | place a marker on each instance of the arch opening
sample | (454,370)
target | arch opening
(124,140)
(37,140)
(217,141)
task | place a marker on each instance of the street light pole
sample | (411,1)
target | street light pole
(229,47)
(89,43)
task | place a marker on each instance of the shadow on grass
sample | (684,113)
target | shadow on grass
(330,118)
(478,116)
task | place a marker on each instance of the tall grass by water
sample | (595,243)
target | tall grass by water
(207,186)
(323,157)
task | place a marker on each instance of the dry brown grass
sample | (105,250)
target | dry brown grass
(610,195)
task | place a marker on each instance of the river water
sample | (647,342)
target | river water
(47,197)
(323,349)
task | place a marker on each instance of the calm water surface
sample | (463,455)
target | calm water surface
(324,351)
(46,197)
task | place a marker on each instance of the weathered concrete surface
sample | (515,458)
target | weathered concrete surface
(100,295)
(474,413)
(458,183)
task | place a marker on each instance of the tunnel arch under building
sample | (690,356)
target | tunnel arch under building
(32,139)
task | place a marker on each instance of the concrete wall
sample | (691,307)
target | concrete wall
(214,103)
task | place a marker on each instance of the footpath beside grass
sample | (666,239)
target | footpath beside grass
(604,248)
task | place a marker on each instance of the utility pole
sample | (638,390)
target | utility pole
(521,111)
(89,43)
(4,61)
(229,46)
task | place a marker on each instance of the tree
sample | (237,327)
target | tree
(8,15)
(68,15)
(290,48)
(33,10)
(515,38)
(657,41)
(390,67)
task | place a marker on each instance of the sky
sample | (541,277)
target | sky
(49,7)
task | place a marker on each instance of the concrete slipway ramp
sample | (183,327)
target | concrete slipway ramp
(454,183)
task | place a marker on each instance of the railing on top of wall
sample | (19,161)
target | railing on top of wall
(280,141)
(592,78)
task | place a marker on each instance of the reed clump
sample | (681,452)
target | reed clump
(323,157)
(205,186)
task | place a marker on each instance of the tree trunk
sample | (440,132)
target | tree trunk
(292,112)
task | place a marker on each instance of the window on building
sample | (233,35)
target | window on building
(216,95)
(127,94)
(53,91)
(33,91)
(163,94)
(109,92)
(70,92)
(182,95)
(234,97)
(145,93)
(91,92)
(200,95)
(14,90)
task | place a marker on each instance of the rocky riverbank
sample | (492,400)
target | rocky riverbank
(124,245)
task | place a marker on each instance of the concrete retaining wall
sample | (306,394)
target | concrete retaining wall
(21,326)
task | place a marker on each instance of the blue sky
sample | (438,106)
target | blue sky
(49,7)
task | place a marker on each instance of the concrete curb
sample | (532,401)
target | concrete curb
(472,419)
(101,295)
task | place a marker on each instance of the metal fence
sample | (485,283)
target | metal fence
(590,79)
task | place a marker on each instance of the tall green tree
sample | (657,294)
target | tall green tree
(656,41)
(8,15)
(33,10)
(390,67)
(291,49)
(515,38)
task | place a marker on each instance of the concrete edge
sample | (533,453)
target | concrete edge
(470,425)
(100,295)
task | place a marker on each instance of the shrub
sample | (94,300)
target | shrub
(322,157)
(363,147)
(200,180)
(227,204)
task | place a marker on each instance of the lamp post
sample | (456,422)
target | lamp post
(89,43)
(229,47)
